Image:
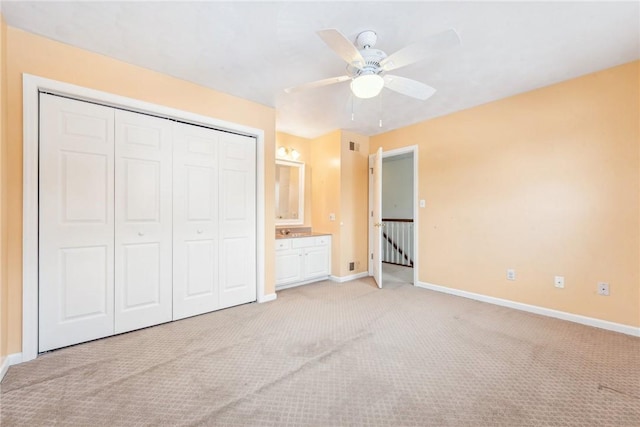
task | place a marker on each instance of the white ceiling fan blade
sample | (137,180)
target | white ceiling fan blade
(317,83)
(433,45)
(409,87)
(342,46)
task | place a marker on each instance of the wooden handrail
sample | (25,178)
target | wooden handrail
(396,220)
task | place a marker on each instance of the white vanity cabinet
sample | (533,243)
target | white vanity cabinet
(302,260)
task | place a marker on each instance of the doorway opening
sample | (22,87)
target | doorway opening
(398,233)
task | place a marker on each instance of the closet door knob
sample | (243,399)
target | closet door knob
(199,231)
(140,233)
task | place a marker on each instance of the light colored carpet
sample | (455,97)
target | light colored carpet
(339,354)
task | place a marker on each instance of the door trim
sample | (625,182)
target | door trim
(31,87)
(392,153)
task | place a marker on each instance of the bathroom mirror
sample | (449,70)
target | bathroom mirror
(289,192)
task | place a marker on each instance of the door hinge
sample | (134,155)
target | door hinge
(371,256)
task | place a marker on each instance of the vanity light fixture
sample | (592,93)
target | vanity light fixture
(286,152)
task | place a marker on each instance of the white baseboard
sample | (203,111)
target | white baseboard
(304,282)
(267,298)
(12,359)
(342,279)
(4,366)
(563,315)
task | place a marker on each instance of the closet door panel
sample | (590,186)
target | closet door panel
(142,284)
(143,217)
(237,219)
(76,222)
(195,229)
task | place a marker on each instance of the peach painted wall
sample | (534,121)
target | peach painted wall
(29,53)
(4,288)
(339,186)
(303,146)
(325,191)
(546,182)
(354,203)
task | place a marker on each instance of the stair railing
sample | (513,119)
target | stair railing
(397,241)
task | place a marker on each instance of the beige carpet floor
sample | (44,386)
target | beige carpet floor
(331,354)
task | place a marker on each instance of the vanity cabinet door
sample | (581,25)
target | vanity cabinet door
(288,266)
(316,262)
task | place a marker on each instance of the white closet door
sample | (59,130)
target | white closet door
(143,295)
(237,219)
(195,220)
(76,222)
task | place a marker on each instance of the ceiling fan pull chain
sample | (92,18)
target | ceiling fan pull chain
(352,113)
(380,106)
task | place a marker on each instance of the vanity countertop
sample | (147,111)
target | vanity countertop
(295,235)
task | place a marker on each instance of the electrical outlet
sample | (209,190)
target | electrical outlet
(511,274)
(603,289)
(558,281)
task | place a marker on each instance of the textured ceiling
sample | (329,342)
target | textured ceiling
(256,49)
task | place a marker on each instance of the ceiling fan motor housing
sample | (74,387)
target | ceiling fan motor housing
(372,58)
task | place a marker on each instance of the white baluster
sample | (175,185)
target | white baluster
(395,240)
(403,246)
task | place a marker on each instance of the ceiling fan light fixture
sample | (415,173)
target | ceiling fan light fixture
(367,85)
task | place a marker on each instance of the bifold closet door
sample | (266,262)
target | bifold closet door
(76,230)
(195,220)
(143,220)
(237,219)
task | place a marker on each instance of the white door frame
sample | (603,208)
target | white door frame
(31,87)
(392,153)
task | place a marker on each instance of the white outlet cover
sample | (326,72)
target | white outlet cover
(559,281)
(603,289)
(423,203)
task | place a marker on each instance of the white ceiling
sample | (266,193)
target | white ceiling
(256,49)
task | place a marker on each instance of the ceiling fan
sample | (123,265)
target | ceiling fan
(367,67)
